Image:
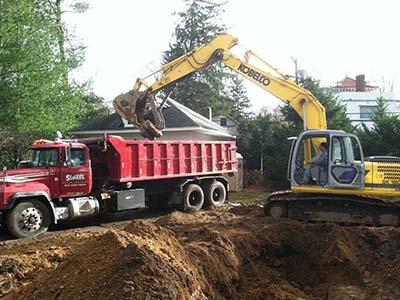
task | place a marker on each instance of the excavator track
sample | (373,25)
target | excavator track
(340,209)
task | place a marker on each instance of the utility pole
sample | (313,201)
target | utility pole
(295,70)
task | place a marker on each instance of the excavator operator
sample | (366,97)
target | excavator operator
(320,160)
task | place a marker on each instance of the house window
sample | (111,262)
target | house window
(222,121)
(367,111)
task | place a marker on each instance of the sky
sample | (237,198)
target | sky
(125,39)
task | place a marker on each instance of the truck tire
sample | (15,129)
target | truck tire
(28,218)
(192,197)
(215,194)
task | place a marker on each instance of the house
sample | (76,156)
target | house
(353,85)
(360,99)
(228,123)
(181,122)
(361,105)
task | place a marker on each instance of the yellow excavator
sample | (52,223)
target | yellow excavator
(345,187)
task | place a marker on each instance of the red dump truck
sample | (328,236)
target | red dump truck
(65,180)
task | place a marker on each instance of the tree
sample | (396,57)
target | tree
(382,138)
(198,25)
(13,145)
(94,108)
(36,92)
(335,111)
(241,102)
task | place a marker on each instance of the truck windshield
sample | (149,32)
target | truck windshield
(44,157)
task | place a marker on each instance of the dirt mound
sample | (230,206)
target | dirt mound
(21,261)
(223,254)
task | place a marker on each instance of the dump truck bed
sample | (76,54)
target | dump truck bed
(138,160)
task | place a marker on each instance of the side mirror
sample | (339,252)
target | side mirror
(68,157)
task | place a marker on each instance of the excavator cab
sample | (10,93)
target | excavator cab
(341,167)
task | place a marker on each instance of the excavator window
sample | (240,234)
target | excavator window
(345,151)
(311,160)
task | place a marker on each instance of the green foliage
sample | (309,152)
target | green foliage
(335,111)
(264,136)
(240,101)
(213,86)
(13,145)
(382,139)
(35,61)
(37,95)
(93,108)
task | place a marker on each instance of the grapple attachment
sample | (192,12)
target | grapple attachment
(132,105)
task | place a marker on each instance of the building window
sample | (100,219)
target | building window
(367,111)
(222,121)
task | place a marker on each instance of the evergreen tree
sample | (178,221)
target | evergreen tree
(335,111)
(241,102)
(382,139)
(198,25)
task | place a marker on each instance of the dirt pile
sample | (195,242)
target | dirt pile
(23,260)
(232,253)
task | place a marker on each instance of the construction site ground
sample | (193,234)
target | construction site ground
(233,252)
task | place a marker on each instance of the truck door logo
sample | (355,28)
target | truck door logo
(75,177)
(254,74)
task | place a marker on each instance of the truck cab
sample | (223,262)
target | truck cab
(68,166)
(54,172)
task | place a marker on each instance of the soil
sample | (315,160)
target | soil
(227,253)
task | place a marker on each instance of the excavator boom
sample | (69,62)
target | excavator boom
(131,106)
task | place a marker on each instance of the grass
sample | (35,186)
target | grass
(247,196)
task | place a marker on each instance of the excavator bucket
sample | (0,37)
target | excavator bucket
(132,105)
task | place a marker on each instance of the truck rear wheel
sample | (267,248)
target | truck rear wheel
(215,194)
(28,218)
(193,197)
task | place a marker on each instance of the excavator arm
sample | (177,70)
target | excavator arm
(281,86)
(131,105)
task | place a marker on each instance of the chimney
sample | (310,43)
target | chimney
(360,83)
(207,112)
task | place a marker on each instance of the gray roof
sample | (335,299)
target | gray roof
(175,114)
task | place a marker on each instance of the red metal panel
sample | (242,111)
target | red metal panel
(146,160)
(175,158)
(187,159)
(198,156)
(163,158)
(209,157)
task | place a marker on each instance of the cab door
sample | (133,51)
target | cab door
(76,173)
(346,164)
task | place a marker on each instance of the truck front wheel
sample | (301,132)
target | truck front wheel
(193,197)
(28,218)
